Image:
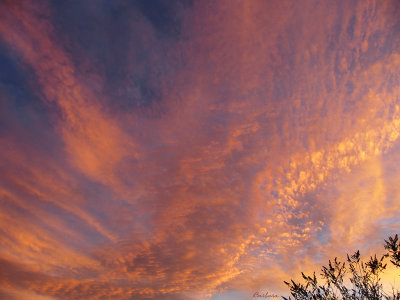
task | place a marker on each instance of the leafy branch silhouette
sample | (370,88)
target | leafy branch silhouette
(353,279)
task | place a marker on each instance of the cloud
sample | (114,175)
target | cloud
(180,153)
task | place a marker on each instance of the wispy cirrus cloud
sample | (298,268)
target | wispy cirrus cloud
(201,151)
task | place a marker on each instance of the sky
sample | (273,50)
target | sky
(193,149)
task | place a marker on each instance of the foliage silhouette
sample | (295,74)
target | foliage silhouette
(350,280)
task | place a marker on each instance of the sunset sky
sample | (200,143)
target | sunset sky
(193,149)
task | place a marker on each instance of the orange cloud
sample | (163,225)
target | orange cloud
(268,141)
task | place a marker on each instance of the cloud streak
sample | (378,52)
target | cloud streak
(199,152)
